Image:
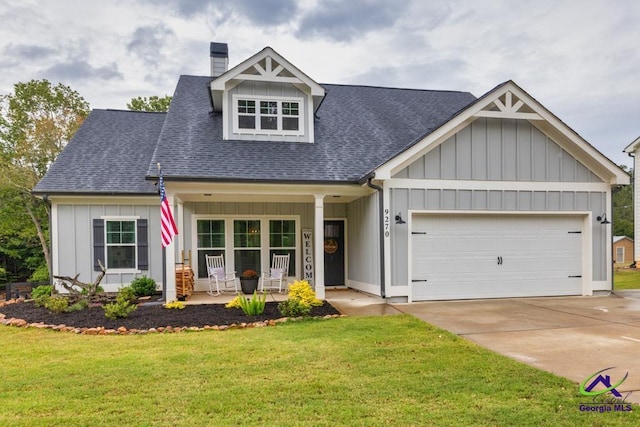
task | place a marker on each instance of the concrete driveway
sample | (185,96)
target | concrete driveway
(573,337)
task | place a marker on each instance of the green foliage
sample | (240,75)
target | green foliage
(56,304)
(78,306)
(36,122)
(143,286)
(623,211)
(152,103)
(41,274)
(43,290)
(253,306)
(121,308)
(294,308)
(127,293)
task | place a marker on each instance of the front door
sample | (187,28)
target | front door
(334,253)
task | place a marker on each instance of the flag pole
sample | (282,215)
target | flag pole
(163,298)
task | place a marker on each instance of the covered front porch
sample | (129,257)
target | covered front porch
(249,223)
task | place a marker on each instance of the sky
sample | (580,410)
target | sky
(579,58)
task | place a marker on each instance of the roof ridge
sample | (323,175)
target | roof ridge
(395,88)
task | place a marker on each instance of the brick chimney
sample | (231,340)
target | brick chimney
(219,58)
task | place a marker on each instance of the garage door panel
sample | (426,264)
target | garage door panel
(478,256)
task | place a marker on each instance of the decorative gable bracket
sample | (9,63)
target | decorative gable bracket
(268,70)
(265,66)
(508,106)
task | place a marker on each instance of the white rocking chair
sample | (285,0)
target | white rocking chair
(219,276)
(278,274)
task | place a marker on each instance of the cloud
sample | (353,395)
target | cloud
(28,52)
(267,12)
(262,12)
(148,41)
(82,70)
(343,20)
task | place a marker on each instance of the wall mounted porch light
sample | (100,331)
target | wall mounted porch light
(603,219)
(399,219)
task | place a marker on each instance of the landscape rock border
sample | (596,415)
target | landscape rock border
(21,323)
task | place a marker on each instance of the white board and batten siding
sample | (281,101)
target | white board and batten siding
(466,256)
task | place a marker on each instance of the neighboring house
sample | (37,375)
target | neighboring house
(407,194)
(622,249)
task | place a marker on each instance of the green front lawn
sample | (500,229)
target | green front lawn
(625,278)
(392,370)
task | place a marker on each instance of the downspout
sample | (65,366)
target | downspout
(381,213)
(45,198)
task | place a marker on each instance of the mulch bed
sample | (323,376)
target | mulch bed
(148,316)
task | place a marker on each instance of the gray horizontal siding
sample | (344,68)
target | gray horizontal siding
(499,150)
(403,200)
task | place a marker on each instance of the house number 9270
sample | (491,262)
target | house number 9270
(387,223)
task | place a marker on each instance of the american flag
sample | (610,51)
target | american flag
(168,225)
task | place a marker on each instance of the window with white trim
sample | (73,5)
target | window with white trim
(282,241)
(210,241)
(121,244)
(268,115)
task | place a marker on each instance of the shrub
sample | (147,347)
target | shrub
(294,308)
(56,304)
(121,308)
(127,293)
(253,306)
(179,305)
(41,274)
(40,294)
(78,306)
(118,309)
(302,291)
(143,286)
(88,293)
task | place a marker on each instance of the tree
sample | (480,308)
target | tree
(623,209)
(36,122)
(152,103)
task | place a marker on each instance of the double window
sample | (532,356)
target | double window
(253,115)
(246,243)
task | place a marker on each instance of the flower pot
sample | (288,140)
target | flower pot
(249,286)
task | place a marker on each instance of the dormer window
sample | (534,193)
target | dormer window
(270,115)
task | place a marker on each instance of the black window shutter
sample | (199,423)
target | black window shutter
(143,245)
(98,243)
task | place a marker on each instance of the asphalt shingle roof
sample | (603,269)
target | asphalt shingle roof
(110,153)
(357,128)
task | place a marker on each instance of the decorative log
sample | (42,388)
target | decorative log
(74,283)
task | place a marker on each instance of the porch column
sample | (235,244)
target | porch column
(319,245)
(170,266)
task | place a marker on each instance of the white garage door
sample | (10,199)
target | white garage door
(460,256)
